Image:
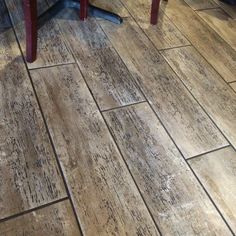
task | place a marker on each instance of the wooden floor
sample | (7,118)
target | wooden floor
(120,129)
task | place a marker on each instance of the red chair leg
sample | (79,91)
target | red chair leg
(155,11)
(84,4)
(30,12)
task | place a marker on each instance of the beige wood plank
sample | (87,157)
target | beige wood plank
(217,173)
(173,195)
(104,194)
(4,19)
(107,76)
(216,51)
(54,220)
(164,34)
(230,9)
(184,119)
(211,91)
(224,25)
(233,85)
(52,47)
(29,176)
(201,4)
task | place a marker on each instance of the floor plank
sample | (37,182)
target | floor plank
(164,34)
(216,171)
(29,176)
(186,122)
(173,195)
(231,10)
(211,91)
(201,4)
(224,25)
(52,47)
(233,85)
(55,220)
(104,194)
(218,53)
(107,76)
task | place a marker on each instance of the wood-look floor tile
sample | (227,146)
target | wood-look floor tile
(201,4)
(217,52)
(217,172)
(52,47)
(164,34)
(233,85)
(54,220)
(224,25)
(230,9)
(173,195)
(189,126)
(104,194)
(211,91)
(29,176)
(108,78)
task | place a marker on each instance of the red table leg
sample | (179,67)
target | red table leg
(155,11)
(84,4)
(30,12)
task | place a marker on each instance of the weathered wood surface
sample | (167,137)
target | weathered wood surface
(4,18)
(217,172)
(164,34)
(104,194)
(107,76)
(184,119)
(233,85)
(216,51)
(29,176)
(52,47)
(172,193)
(201,4)
(211,91)
(54,220)
(230,9)
(224,25)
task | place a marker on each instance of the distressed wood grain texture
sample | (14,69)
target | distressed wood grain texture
(164,34)
(201,4)
(233,85)
(224,25)
(211,91)
(184,119)
(172,193)
(215,50)
(29,176)
(107,76)
(230,9)
(4,18)
(54,220)
(104,195)
(217,172)
(52,47)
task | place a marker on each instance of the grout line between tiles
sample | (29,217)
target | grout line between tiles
(24,212)
(128,105)
(205,153)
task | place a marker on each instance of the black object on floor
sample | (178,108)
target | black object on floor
(231,2)
(92,11)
